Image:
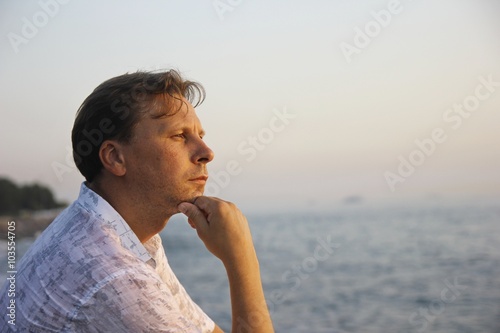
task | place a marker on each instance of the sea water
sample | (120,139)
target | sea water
(357,269)
(392,269)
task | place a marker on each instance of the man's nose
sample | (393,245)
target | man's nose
(205,154)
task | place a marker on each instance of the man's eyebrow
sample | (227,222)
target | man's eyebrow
(201,132)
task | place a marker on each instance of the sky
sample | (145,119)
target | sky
(308,103)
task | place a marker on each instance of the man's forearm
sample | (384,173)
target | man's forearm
(249,309)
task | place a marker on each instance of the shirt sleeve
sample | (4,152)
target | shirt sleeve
(137,302)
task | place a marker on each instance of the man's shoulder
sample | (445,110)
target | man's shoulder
(75,257)
(76,228)
(78,242)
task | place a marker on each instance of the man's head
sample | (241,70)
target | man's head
(142,129)
(113,109)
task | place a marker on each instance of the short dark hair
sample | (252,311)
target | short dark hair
(113,109)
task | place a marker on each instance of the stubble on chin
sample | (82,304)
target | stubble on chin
(195,195)
(189,197)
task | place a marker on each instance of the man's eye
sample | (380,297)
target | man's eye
(180,135)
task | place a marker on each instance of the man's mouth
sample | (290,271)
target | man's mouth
(199,180)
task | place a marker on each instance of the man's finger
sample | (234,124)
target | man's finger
(207,204)
(203,202)
(194,214)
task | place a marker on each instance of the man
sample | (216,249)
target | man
(100,266)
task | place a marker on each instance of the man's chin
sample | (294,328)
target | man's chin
(193,196)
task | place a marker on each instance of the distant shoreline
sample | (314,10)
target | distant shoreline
(28,224)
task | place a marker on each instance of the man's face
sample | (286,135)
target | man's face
(166,160)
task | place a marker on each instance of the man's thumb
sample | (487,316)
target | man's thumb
(194,215)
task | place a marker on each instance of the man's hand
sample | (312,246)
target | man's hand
(222,227)
(225,232)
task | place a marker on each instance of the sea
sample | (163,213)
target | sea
(400,268)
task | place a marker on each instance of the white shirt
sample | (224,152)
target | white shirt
(88,272)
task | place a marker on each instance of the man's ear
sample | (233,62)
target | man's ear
(112,158)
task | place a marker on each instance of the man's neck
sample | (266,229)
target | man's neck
(143,221)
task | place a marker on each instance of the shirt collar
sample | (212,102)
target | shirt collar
(96,204)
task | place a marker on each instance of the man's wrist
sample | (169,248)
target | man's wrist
(242,262)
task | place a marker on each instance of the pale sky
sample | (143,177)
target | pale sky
(358,82)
